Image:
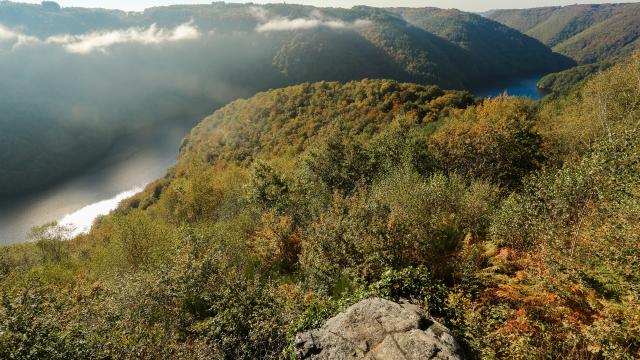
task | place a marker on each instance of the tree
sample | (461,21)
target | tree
(51,6)
(51,240)
(494,140)
(267,188)
(339,164)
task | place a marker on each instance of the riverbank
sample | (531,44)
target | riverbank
(521,87)
(133,161)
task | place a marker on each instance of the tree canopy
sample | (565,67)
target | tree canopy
(515,223)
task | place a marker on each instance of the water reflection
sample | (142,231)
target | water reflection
(80,222)
(134,161)
(523,87)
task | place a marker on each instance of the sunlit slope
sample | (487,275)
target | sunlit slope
(586,33)
(111,72)
(513,222)
(286,121)
(488,47)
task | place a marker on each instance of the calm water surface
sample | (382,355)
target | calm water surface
(521,87)
(132,163)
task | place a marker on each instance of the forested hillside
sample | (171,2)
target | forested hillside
(586,33)
(563,82)
(119,71)
(481,40)
(514,223)
(596,36)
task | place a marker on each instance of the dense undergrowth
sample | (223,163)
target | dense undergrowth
(516,223)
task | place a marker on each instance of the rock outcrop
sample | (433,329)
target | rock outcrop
(378,329)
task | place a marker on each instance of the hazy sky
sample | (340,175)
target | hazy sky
(468,5)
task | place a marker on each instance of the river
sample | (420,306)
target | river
(520,87)
(132,163)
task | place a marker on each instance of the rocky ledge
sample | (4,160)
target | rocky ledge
(379,329)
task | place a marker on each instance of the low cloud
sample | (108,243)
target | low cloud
(307,23)
(261,14)
(14,38)
(315,20)
(104,40)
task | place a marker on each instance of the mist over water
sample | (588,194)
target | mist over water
(107,76)
(134,161)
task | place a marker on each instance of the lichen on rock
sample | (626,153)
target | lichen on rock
(379,329)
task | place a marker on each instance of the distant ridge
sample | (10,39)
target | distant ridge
(587,33)
(231,51)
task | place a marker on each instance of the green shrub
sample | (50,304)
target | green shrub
(494,140)
(404,220)
(412,284)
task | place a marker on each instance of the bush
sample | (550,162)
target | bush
(493,141)
(404,220)
(413,284)
(51,241)
(277,243)
(136,242)
(268,189)
(339,164)
(212,194)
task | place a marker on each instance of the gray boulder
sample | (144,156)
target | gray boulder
(379,329)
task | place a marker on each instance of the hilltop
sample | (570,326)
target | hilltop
(513,223)
(182,62)
(586,33)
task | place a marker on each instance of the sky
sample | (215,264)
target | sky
(467,5)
